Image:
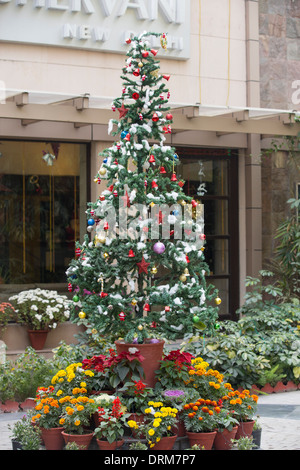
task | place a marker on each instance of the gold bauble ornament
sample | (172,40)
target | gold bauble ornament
(133,302)
(105,255)
(102,171)
(218,300)
(140,65)
(82,315)
(182,278)
(140,327)
(154,270)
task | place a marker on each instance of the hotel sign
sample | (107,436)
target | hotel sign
(102,25)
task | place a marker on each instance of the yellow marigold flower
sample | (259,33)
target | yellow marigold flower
(62,421)
(59,393)
(82,384)
(46,409)
(151,432)
(60,380)
(77,422)
(80,407)
(132,424)
(39,407)
(157,439)
(70,411)
(147,410)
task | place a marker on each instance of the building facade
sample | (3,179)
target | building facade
(59,75)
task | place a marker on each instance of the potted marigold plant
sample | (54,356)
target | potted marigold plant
(135,396)
(49,410)
(226,430)
(72,377)
(40,310)
(201,420)
(244,406)
(158,426)
(75,419)
(110,431)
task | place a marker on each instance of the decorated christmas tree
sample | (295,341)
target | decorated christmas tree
(140,271)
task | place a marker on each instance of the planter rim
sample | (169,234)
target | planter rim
(136,345)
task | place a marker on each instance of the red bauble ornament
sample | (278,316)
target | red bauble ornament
(145,54)
(166,77)
(128,41)
(167,309)
(135,96)
(136,72)
(131,254)
(70,287)
(162,170)
(173,177)
(127,137)
(154,185)
(155,117)
(194,203)
(122,316)
(103,294)
(151,159)
(169,117)
(146,307)
(154,52)
(202,236)
(77,252)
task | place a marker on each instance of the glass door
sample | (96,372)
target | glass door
(211,177)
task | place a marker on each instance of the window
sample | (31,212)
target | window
(211,176)
(42,204)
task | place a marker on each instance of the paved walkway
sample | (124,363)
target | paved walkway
(279,416)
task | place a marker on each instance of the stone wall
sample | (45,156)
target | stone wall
(279,30)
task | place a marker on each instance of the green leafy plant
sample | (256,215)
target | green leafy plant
(112,422)
(7,314)
(26,434)
(243,443)
(136,395)
(174,369)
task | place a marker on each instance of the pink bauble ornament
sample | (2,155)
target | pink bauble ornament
(159,248)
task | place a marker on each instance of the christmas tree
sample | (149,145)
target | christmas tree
(140,271)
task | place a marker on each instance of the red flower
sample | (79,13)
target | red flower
(139,387)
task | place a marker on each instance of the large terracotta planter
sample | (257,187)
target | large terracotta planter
(82,440)
(165,443)
(223,439)
(245,429)
(37,338)
(152,353)
(202,439)
(105,445)
(52,438)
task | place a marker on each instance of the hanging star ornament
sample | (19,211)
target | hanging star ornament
(143,266)
(122,111)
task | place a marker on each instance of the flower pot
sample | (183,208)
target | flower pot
(202,439)
(53,439)
(223,439)
(165,443)
(82,440)
(105,445)
(152,353)
(27,404)
(245,429)
(256,434)
(10,406)
(16,445)
(179,429)
(37,338)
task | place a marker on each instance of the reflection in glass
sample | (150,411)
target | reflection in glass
(39,207)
